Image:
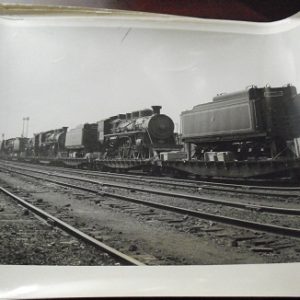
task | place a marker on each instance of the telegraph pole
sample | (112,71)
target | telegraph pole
(22,135)
(25,119)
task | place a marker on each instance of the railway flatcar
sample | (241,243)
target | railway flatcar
(250,133)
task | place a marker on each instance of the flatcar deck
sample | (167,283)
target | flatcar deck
(235,169)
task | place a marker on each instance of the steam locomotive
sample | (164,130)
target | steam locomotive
(249,133)
(137,135)
(125,141)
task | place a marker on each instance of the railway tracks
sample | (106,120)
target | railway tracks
(282,191)
(246,224)
(72,231)
(262,208)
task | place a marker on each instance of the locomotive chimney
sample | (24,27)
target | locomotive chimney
(156,109)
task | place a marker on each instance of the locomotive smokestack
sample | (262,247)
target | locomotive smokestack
(156,109)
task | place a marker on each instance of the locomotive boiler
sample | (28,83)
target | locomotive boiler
(138,135)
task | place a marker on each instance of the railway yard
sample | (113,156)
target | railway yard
(62,216)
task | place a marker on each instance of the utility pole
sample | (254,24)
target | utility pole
(25,119)
(22,135)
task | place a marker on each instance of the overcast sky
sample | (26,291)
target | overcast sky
(66,75)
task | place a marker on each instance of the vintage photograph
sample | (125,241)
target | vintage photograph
(139,140)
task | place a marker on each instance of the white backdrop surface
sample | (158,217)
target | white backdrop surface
(67,70)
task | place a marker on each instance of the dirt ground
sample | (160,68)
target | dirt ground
(152,240)
(28,240)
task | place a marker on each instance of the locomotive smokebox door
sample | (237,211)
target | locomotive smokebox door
(161,126)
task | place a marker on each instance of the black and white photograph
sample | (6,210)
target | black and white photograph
(142,139)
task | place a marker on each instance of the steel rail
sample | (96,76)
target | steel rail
(142,178)
(74,231)
(226,187)
(248,190)
(244,189)
(286,231)
(244,186)
(261,208)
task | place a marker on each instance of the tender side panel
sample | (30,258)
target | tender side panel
(279,105)
(17,145)
(232,117)
(101,130)
(294,114)
(74,138)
